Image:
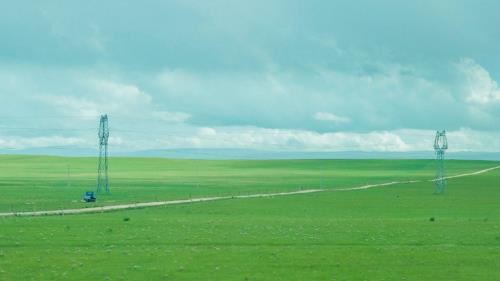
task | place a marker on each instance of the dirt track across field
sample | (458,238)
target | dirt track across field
(205,199)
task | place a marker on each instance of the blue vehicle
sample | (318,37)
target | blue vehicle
(89,197)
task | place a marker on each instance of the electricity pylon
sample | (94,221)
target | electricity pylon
(102,170)
(440,146)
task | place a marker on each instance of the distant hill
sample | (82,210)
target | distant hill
(254,154)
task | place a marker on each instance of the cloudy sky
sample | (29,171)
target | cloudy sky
(275,75)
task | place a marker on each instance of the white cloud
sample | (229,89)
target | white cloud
(302,140)
(330,117)
(76,106)
(279,139)
(171,116)
(233,110)
(270,139)
(36,142)
(115,98)
(206,131)
(121,93)
(480,87)
(381,96)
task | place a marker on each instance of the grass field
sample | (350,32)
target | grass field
(400,232)
(32,183)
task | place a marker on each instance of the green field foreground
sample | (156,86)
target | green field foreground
(400,232)
(33,183)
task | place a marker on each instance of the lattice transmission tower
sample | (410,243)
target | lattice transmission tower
(440,146)
(102,170)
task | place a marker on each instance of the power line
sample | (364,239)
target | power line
(44,129)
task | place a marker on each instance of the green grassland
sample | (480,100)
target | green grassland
(376,234)
(30,183)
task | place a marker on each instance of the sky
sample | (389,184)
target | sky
(271,75)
